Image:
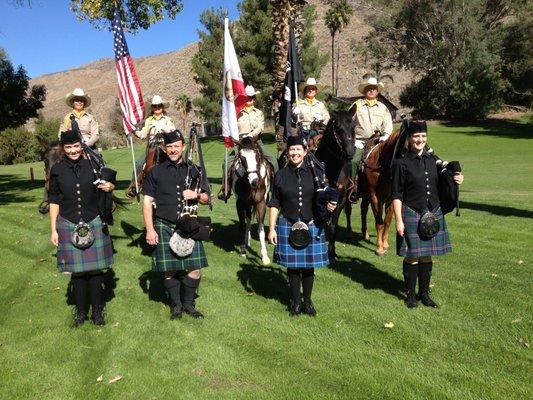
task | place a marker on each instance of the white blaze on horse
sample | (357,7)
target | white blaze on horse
(252,185)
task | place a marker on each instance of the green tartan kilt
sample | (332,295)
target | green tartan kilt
(164,259)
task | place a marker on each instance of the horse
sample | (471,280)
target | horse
(251,189)
(336,150)
(376,190)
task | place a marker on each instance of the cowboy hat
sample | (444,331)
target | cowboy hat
(371,81)
(309,82)
(77,94)
(250,91)
(157,100)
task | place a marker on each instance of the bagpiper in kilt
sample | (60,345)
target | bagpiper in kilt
(415,197)
(73,199)
(170,187)
(293,194)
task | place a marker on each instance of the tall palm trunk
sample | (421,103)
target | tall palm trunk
(333,63)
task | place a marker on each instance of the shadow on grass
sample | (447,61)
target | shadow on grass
(369,276)
(502,128)
(152,283)
(110,284)
(137,238)
(226,237)
(496,210)
(13,189)
(267,282)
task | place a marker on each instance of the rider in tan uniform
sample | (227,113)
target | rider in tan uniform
(78,100)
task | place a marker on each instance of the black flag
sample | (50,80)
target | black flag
(293,76)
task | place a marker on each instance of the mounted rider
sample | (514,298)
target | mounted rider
(373,121)
(251,122)
(78,100)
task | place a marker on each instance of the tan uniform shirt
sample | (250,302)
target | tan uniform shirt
(153,126)
(309,111)
(251,122)
(87,124)
(369,118)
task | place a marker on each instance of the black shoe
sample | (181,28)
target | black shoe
(80,319)
(295,309)
(97,317)
(411,301)
(428,302)
(176,313)
(309,309)
(193,312)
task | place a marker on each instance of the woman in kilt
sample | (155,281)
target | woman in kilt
(414,193)
(73,201)
(167,185)
(293,192)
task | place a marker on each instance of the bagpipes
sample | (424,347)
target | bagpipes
(101,173)
(189,226)
(448,188)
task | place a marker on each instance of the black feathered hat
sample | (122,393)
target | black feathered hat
(416,126)
(69,137)
(173,136)
(296,141)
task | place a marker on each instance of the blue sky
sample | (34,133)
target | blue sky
(47,37)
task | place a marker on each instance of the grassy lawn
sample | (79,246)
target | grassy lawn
(476,346)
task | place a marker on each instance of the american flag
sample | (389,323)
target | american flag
(131,99)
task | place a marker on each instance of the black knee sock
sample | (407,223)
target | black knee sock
(80,288)
(96,290)
(295,281)
(410,277)
(173,288)
(189,286)
(308,277)
(424,277)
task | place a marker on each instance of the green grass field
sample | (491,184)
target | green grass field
(476,346)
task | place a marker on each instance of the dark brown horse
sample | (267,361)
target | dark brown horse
(376,188)
(336,150)
(251,189)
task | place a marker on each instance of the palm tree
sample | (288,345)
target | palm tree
(184,105)
(283,12)
(337,17)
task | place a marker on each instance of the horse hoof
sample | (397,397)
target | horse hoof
(367,237)
(266,261)
(243,255)
(380,252)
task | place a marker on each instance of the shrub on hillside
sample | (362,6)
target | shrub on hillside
(47,129)
(18,145)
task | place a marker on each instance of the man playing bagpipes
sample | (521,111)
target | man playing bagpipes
(172,191)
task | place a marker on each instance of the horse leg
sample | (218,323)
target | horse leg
(387,222)
(348,213)
(260,213)
(243,232)
(377,209)
(365,202)
(332,228)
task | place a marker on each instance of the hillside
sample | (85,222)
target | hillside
(169,74)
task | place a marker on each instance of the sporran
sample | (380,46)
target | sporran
(300,236)
(181,246)
(82,236)
(429,225)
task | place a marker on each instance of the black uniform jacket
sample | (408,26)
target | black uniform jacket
(166,183)
(415,180)
(292,193)
(71,186)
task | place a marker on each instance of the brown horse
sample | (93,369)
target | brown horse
(251,188)
(376,188)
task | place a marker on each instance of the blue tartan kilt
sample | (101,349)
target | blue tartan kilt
(71,259)
(164,259)
(315,255)
(412,245)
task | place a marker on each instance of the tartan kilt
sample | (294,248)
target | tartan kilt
(164,259)
(411,245)
(71,259)
(315,255)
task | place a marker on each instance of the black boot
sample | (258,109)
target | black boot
(410,284)
(189,291)
(80,285)
(308,278)
(424,278)
(96,292)
(295,281)
(173,288)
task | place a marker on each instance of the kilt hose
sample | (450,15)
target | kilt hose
(71,259)
(164,259)
(412,245)
(315,255)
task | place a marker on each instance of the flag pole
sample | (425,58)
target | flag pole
(130,141)
(226,173)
